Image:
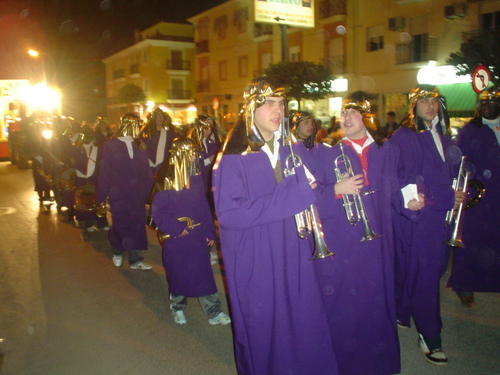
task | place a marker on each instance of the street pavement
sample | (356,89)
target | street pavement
(65,309)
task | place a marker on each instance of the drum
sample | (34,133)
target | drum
(85,198)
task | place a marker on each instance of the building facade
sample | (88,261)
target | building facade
(160,62)
(383,47)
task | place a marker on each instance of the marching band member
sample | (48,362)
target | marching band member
(157,136)
(476,268)
(427,162)
(87,163)
(125,181)
(279,322)
(304,128)
(181,212)
(358,283)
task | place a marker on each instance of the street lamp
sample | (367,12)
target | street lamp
(36,54)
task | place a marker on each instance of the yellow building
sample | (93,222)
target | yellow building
(160,62)
(383,47)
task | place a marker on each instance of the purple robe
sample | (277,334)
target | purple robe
(152,147)
(279,321)
(358,282)
(420,237)
(126,183)
(186,259)
(81,163)
(476,268)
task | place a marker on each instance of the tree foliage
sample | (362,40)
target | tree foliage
(481,49)
(130,93)
(302,79)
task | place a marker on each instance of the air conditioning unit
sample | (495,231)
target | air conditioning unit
(396,23)
(455,10)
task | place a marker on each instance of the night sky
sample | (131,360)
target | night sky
(75,35)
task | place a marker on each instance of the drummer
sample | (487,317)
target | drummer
(88,157)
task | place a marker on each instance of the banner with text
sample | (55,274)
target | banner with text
(299,13)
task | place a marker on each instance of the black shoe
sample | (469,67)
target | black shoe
(436,356)
(401,324)
(467,301)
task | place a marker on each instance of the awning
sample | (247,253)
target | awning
(460,98)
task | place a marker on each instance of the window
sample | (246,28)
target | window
(375,38)
(176,60)
(260,29)
(222,70)
(491,21)
(220,27)
(243,66)
(240,18)
(294,53)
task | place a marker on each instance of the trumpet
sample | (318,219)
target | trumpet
(353,204)
(190,224)
(462,181)
(307,221)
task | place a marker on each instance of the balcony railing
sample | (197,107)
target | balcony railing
(202,46)
(134,68)
(120,73)
(178,65)
(179,94)
(421,48)
(203,85)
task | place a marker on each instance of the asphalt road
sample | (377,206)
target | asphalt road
(65,309)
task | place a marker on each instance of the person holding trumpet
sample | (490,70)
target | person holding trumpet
(355,208)
(428,163)
(279,321)
(181,212)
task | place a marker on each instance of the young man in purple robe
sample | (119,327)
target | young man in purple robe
(125,182)
(358,283)
(304,128)
(427,164)
(476,267)
(158,135)
(186,230)
(279,321)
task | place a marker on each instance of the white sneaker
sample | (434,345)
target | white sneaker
(140,266)
(117,260)
(90,229)
(436,356)
(222,319)
(179,317)
(105,228)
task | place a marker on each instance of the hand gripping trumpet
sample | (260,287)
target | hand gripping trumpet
(307,221)
(462,181)
(190,224)
(353,204)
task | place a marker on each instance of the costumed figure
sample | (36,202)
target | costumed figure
(185,223)
(102,131)
(427,163)
(279,321)
(125,182)
(476,266)
(304,128)
(87,161)
(36,146)
(157,135)
(360,184)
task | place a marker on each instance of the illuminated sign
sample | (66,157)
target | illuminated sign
(440,75)
(299,13)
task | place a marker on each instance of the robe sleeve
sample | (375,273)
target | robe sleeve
(236,209)
(105,173)
(164,217)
